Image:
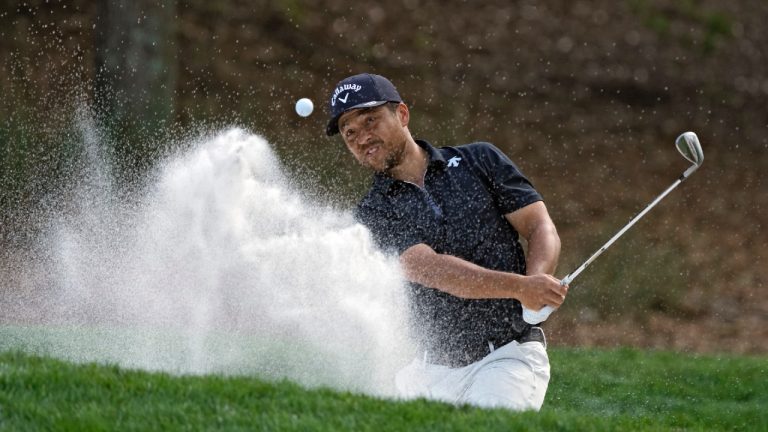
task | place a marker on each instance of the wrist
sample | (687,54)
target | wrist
(510,285)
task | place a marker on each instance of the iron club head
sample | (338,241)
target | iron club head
(688,145)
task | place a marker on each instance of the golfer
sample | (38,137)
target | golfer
(454,216)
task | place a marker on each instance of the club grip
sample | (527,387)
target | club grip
(534,317)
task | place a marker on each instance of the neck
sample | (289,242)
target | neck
(413,165)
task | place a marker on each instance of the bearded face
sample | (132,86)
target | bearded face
(375,136)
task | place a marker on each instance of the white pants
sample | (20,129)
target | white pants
(514,376)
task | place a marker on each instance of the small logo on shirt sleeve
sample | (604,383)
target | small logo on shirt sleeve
(453,162)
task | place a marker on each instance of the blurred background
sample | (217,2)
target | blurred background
(586,97)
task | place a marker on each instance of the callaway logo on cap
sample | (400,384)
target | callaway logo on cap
(359,91)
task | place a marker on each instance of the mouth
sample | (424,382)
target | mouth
(372,150)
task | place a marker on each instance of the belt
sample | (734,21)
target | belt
(457,360)
(534,334)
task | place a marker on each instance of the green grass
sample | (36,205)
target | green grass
(197,352)
(590,390)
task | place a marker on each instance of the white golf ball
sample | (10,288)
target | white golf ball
(304,107)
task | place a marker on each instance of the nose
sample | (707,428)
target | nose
(362,138)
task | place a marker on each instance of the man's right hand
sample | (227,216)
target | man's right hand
(541,290)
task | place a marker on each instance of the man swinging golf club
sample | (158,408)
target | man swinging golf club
(454,216)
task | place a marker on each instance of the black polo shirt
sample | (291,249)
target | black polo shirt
(460,211)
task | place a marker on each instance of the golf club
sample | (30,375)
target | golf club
(688,145)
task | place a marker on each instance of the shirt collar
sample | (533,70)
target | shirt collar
(385,183)
(436,158)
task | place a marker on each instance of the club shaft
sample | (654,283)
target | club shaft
(568,279)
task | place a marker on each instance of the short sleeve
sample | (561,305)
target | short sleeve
(510,188)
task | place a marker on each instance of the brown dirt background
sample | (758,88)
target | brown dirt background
(587,97)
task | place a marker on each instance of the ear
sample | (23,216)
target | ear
(403,114)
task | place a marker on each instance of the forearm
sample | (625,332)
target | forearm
(534,224)
(464,279)
(543,250)
(458,277)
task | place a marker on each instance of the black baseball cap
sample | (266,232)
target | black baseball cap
(359,91)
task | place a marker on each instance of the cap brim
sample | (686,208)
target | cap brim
(333,124)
